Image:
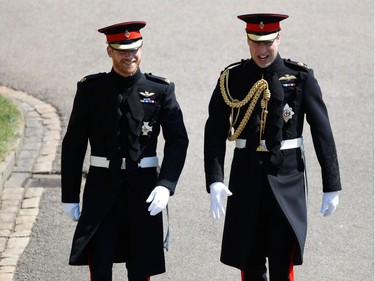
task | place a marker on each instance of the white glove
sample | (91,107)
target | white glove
(217,192)
(159,197)
(72,210)
(330,202)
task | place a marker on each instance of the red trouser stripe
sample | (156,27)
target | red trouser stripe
(291,269)
(291,272)
(291,266)
(89,259)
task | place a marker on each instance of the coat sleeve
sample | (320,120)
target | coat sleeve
(215,136)
(74,147)
(321,132)
(176,141)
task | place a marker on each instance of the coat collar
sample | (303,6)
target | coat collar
(125,82)
(274,67)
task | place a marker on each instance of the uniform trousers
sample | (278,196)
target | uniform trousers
(274,240)
(104,244)
(102,252)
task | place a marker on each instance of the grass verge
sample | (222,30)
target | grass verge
(10,120)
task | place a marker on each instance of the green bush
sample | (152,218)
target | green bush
(10,120)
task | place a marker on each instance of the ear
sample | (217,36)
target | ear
(248,40)
(109,51)
(278,39)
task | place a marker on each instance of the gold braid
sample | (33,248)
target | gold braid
(258,88)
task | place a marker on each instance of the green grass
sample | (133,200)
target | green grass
(10,120)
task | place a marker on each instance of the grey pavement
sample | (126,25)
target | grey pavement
(30,160)
(47,46)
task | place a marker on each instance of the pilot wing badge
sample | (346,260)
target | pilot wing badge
(146,94)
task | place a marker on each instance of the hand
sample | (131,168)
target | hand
(330,202)
(217,192)
(159,197)
(72,210)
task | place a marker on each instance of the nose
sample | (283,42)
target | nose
(262,46)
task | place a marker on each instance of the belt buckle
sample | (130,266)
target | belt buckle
(262,147)
(123,164)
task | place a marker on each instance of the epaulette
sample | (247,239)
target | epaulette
(157,78)
(92,76)
(243,61)
(298,64)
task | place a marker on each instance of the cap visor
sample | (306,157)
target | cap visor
(261,38)
(132,46)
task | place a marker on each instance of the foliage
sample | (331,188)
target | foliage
(10,120)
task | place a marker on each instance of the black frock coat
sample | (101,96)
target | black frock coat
(109,111)
(290,83)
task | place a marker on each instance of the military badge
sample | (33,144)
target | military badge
(147,100)
(287,77)
(146,128)
(303,65)
(287,113)
(146,94)
(288,80)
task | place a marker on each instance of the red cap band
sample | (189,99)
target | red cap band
(127,35)
(262,27)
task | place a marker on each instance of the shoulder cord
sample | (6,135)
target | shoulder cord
(261,86)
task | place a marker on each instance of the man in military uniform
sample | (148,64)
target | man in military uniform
(121,113)
(260,103)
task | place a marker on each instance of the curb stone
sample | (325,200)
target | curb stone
(34,153)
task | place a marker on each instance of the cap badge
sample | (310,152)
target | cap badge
(261,25)
(127,34)
(287,113)
(146,128)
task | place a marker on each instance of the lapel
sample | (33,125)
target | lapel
(113,116)
(135,107)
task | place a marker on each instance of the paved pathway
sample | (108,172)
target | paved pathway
(49,45)
(31,162)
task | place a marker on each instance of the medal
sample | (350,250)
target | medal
(147,100)
(146,128)
(287,113)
